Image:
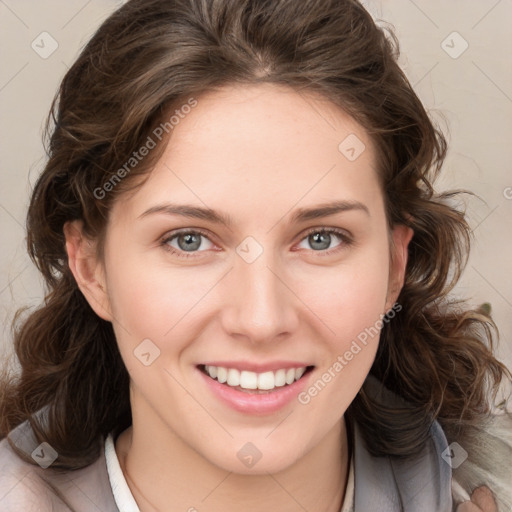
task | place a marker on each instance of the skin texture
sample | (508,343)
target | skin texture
(481,501)
(257,154)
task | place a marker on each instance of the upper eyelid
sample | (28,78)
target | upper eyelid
(173,234)
(338,231)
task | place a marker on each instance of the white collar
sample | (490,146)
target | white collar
(122,494)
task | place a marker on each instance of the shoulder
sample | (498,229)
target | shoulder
(445,473)
(38,487)
(485,460)
(21,485)
(421,482)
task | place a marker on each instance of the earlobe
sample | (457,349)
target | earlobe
(86,269)
(401,236)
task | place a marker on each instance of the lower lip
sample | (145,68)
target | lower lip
(249,403)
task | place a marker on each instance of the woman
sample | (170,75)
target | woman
(247,272)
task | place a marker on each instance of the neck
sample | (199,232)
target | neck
(315,482)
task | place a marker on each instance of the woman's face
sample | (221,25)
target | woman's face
(261,295)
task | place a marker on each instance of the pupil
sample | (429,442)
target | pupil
(323,238)
(191,242)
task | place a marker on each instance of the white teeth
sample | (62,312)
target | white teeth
(248,380)
(280,378)
(299,372)
(290,375)
(222,374)
(266,380)
(233,377)
(252,380)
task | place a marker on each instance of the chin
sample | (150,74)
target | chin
(247,459)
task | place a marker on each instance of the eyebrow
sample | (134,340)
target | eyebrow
(300,215)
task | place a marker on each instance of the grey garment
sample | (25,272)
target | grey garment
(381,484)
(414,484)
(421,484)
(30,488)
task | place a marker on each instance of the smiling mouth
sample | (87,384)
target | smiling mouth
(253,382)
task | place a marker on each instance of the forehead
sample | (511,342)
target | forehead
(245,146)
(272,120)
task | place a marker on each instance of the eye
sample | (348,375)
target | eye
(183,242)
(187,242)
(320,239)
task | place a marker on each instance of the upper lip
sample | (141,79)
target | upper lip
(251,366)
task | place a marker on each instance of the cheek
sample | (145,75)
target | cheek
(144,304)
(348,298)
(352,310)
(350,301)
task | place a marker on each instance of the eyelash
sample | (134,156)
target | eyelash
(344,237)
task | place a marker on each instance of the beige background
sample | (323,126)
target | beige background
(469,92)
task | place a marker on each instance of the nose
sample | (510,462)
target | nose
(260,304)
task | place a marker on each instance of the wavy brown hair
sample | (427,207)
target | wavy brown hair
(148,58)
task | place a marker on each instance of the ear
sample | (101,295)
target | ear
(87,270)
(401,236)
